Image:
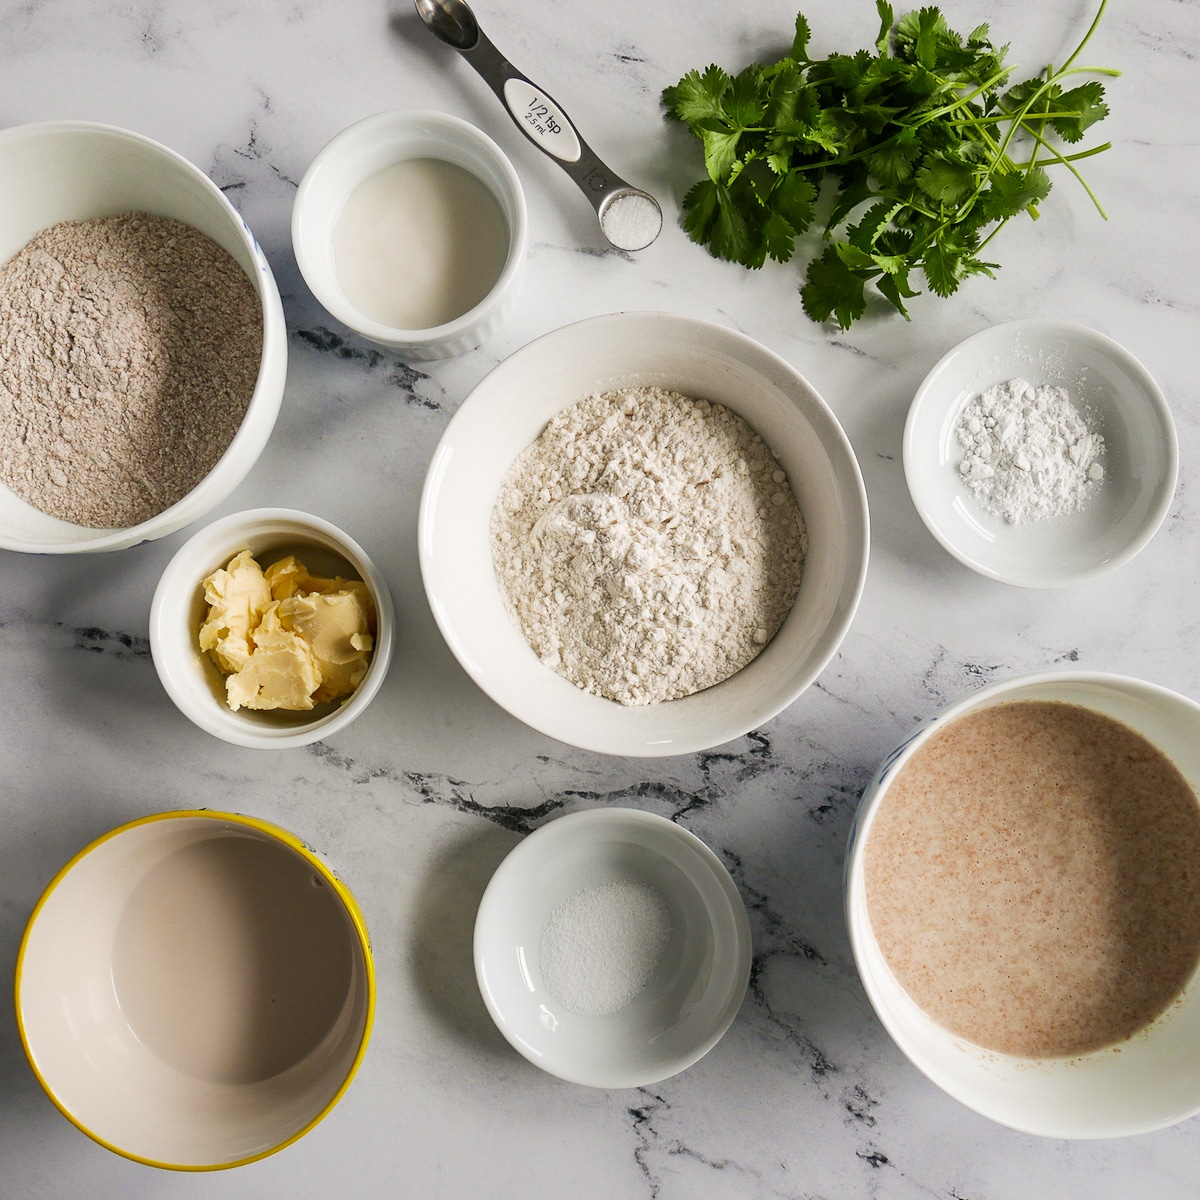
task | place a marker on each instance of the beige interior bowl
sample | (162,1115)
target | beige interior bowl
(195,990)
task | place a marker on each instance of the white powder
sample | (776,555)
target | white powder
(647,545)
(601,946)
(1028,452)
(631,221)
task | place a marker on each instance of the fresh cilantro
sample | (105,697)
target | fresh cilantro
(920,151)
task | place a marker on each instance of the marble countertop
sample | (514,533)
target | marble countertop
(418,801)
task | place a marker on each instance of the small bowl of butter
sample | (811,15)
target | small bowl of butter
(410,228)
(271,629)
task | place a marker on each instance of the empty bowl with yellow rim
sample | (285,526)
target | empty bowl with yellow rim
(195,990)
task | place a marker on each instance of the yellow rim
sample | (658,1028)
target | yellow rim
(294,843)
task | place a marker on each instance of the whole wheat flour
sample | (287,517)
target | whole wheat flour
(648,545)
(1028,453)
(129,350)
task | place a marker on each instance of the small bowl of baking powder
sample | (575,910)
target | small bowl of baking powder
(612,948)
(120,248)
(1040,453)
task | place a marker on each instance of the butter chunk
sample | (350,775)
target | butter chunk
(284,637)
(336,626)
(290,577)
(282,671)
(237,596)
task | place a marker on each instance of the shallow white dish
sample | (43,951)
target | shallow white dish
(1118,398)
(178,610)
(1147,1082)
(509,409)
(693,995)
(73,171)
(359,152)
(183,1012)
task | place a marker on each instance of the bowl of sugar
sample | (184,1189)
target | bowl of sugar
(118,247)
(612,948)
(1022,893)
(410,228)
(1040,453)
(195,989)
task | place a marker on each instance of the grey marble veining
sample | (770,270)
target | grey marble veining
(417,802)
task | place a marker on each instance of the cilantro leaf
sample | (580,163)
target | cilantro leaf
(795,199)
(697,97)
(800,41)
(779,237)
(720,151)
(944,180)
(1087,102)
(831,289)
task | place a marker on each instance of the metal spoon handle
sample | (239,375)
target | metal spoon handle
(542,120)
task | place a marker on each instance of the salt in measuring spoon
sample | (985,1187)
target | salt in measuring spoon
(629,218)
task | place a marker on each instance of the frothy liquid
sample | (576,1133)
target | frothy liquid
(1033,879)
(419,243)
(232,959)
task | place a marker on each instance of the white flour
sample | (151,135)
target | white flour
(1028,453)
(648,545)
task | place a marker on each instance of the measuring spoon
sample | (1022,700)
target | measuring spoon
(629,218)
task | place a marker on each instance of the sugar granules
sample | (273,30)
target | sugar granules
(601,945)
(648,545)
(1029,454)
(129,350)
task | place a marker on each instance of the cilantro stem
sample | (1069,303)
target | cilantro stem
(1087,37)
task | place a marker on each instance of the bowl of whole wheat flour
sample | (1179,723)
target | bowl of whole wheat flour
(142,340)
(644,534)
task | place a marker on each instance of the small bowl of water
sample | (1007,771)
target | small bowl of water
(411,229)
(612,948)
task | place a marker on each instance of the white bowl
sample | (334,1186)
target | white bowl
(509,409)
(359,152)
(178,610)
(693,994)
(73,171)
(1121,400)
(195,990)
(1150,1081)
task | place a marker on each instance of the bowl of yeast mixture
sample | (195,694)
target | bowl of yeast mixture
(644,534)
(195,989)
(1023,898)
(118,247)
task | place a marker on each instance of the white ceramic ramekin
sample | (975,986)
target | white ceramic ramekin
(359,152)
(73,171)
(178,610)
(1147,1082)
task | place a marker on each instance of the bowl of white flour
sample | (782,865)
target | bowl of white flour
(644,534)
(142,341)
(1040,453)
